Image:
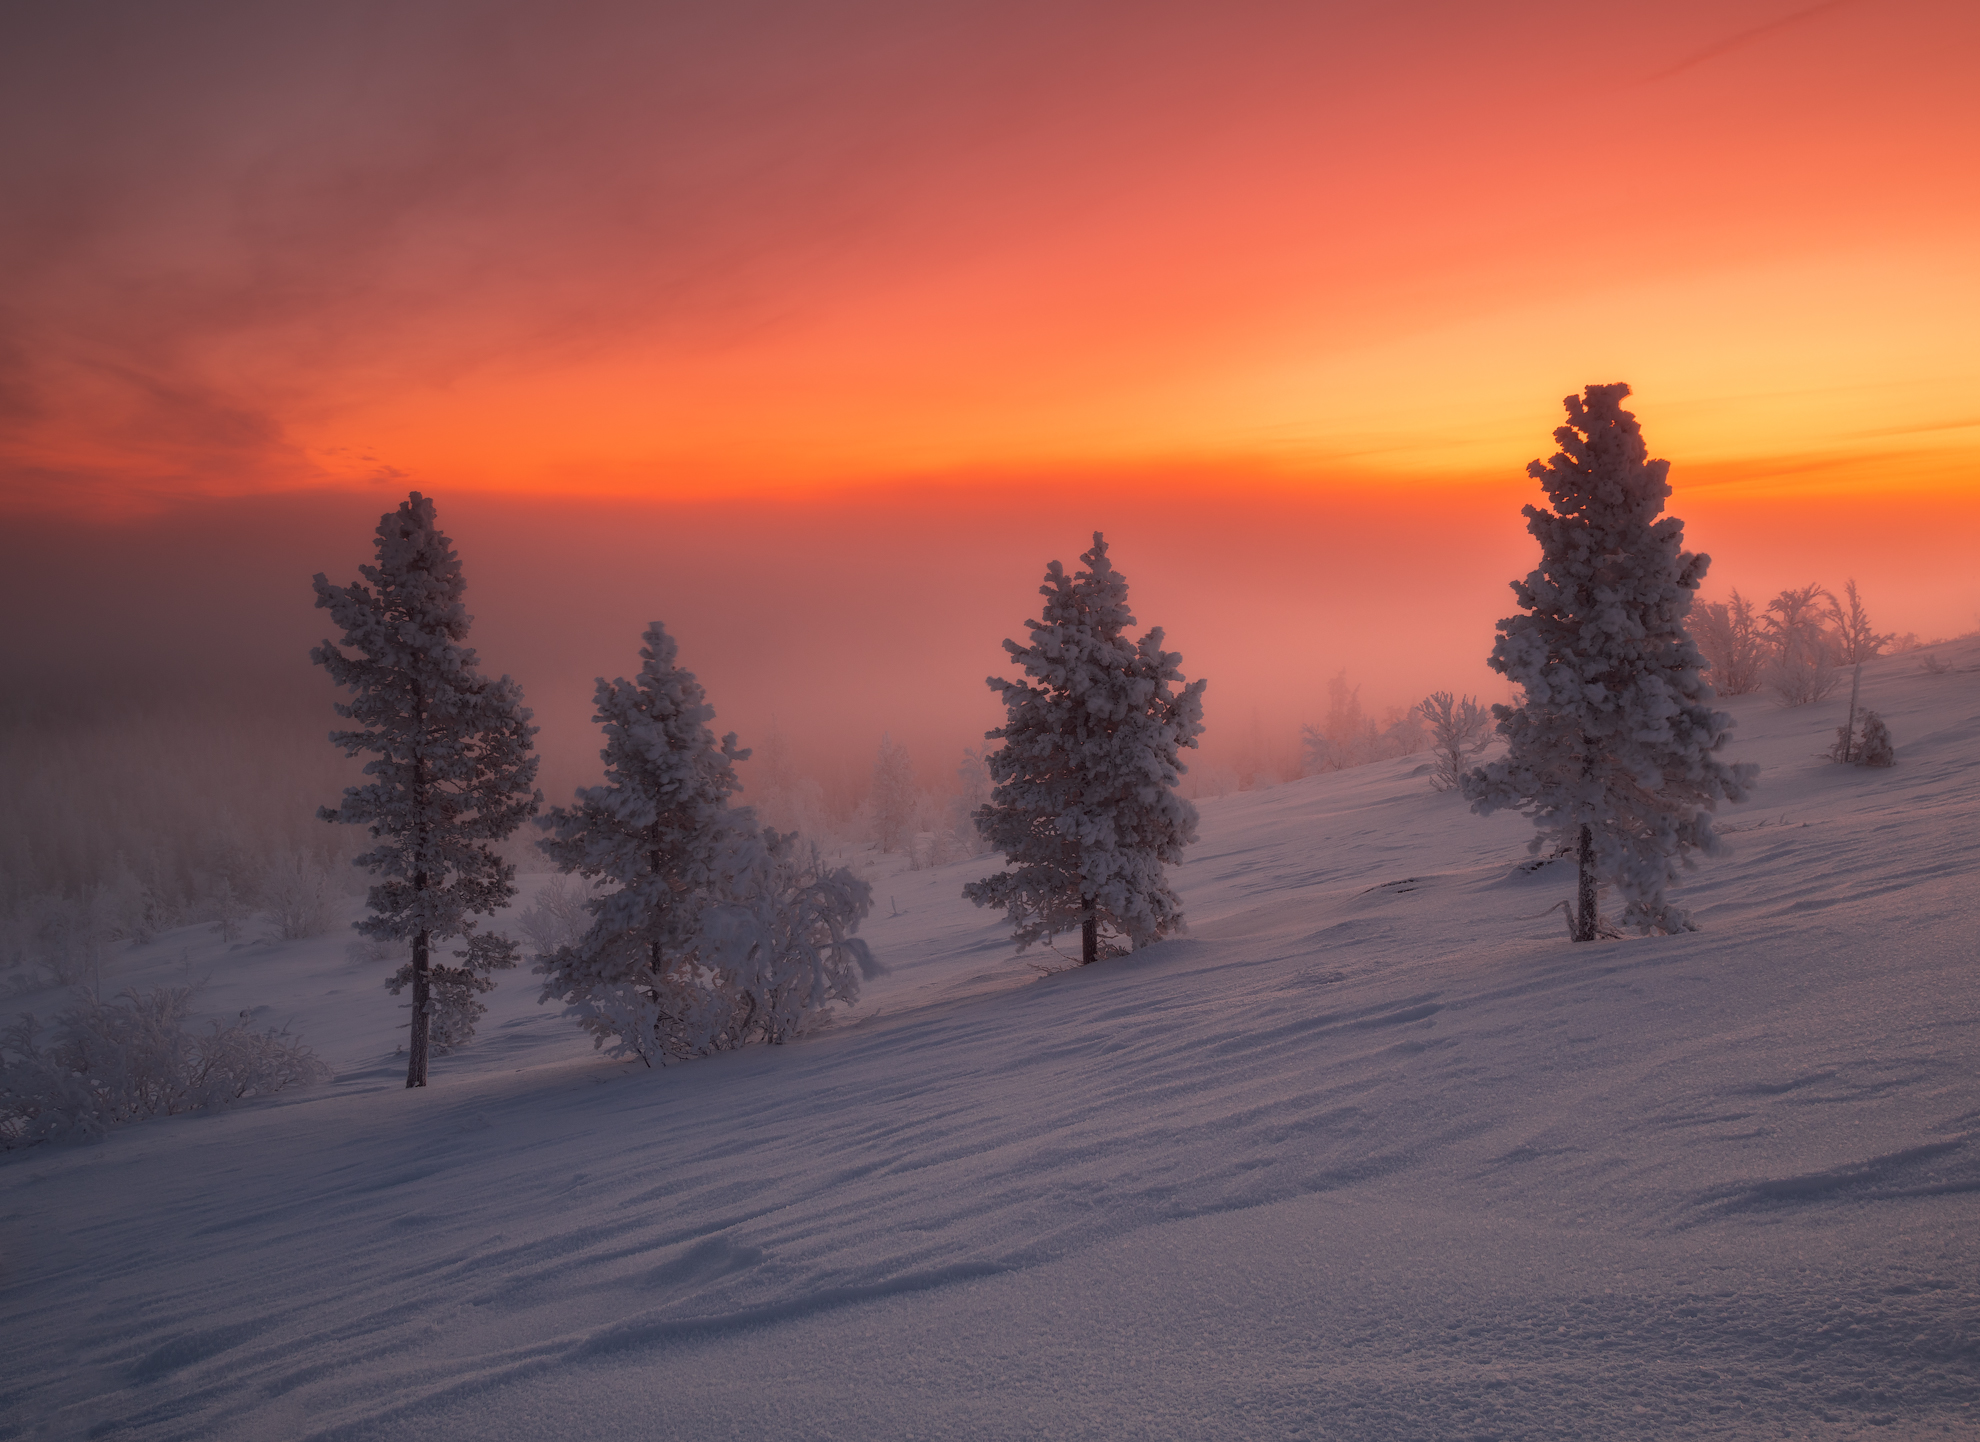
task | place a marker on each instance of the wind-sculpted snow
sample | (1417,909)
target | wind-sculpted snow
(1375,1152)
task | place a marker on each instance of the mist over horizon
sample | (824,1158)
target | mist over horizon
(819,624)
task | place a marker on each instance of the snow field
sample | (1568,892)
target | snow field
(1374,1152)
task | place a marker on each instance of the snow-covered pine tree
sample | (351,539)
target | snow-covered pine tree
(1084,806)
(656,835)
(452,771)
(1614,747)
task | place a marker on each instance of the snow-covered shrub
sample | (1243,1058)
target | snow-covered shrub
(1875,748)
(1728,633)
(1085,806)
(451,773)
(556,918)
(61,940)
(228,909)
(1613,749)
(782,946)
(296,892)
(132,1057)
(1460,729)
(1801,669)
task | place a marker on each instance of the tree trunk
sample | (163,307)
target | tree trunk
(1584,923)
(422,1022)
(1089,939)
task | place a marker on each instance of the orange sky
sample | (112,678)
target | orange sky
(1334,265)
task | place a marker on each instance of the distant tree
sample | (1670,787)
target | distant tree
(660,838)
(452,771)
(1614,748)
(1459,731)
(1729,635)
(894,798)
(1084,805)
(972,792)
(1350,737)
(1856,640)
(1802,667)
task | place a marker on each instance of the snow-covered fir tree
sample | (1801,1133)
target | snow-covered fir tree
(452,771)
(1084,805)
(707,931)
(1613,750)
(658,837)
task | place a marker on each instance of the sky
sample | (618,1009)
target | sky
(816,331)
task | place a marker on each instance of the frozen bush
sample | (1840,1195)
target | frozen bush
(558,917)
(133,1057)
(1460,729)
(1802,669)
(1875,748)
(297,892)
(1729,634)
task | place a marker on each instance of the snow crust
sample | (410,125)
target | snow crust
(1369,1154)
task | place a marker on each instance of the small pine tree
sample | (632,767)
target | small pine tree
(1459,730)
(452,771)
(1614,748)
(654,834)
(1875,748)
(1084,805)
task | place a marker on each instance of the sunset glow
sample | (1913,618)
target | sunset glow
(1134,262)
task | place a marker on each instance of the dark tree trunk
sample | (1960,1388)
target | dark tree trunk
(422,1022)
(1584,924)
(1089,940)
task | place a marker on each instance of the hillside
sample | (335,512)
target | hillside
(1374,1152)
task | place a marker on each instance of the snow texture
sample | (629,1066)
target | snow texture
(1367,1156)
(1084,806)
(1616,741)
(452,767)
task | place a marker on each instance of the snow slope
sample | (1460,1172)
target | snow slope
(1375,1152)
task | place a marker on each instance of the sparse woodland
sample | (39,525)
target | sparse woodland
(690,916)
